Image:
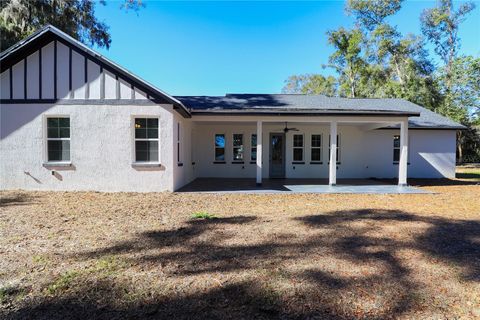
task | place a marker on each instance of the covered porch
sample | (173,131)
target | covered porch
(300,153)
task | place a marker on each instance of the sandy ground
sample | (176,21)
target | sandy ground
(124,255)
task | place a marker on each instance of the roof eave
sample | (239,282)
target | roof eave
(301,113)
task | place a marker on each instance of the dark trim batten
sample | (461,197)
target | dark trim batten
(85,73)
(55,69)
(25,78)
(102,83)
(40,73)
(70,87)
(132,92)
(11,82)
(117,87)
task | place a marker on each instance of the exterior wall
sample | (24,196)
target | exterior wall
(102,148)
(182,161)
(363,153)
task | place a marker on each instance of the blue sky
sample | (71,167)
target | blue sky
(213,48)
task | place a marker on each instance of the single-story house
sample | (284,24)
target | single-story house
(71,119)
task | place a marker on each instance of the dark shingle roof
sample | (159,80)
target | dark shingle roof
(314,104)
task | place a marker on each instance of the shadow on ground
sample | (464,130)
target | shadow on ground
(16,199)
(352,237)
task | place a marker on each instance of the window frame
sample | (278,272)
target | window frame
(46,139)
(338,147)
(179,153)
(399,149)
(215,148)
(134,139)
(242,147)
(302,148)
(253,147)
(320,161)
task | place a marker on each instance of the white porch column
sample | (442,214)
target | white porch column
(403,163)
(259,152)
(332,173)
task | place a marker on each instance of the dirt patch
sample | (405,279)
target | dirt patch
(127,255)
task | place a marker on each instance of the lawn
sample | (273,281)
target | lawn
(184,256)
(469,171)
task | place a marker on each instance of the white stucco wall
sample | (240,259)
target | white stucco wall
(101,148)
(183,167)
(363,153)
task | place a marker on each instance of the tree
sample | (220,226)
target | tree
(440,25)
(371,13)
(346,59)
(311,84)
(464,95)
(20,18)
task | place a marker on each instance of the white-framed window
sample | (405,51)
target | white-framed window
(298,144)
(238,147)
(58,139)
(396,148)
(253,147)
(338,148)
(146,140)
(220,147)
(179,159)
(316,148)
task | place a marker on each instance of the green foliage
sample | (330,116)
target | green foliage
(347,59)
(311,84)
(62,283)
(11,293)
(203,215)
(20,18)
(370,13)
(440,26)
(462,98)
(374,60)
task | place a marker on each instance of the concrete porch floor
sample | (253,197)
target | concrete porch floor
(245,185)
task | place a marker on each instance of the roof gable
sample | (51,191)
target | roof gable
(86,62)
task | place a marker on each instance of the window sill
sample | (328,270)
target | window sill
(180,164)
(238,162)
(253,162)
(146,164)
(219,162)
(396,163)
(337,162)
(298,162)
(57,164)
(316,162)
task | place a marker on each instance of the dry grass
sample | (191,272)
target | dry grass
(98,255)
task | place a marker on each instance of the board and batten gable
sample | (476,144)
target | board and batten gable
(59,79)
(57,71)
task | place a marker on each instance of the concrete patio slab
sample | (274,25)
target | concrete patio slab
(352,186)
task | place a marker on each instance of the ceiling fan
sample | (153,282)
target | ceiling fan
(286,129)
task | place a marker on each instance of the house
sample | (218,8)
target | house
(73,120)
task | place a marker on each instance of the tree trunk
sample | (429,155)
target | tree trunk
(460,147)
